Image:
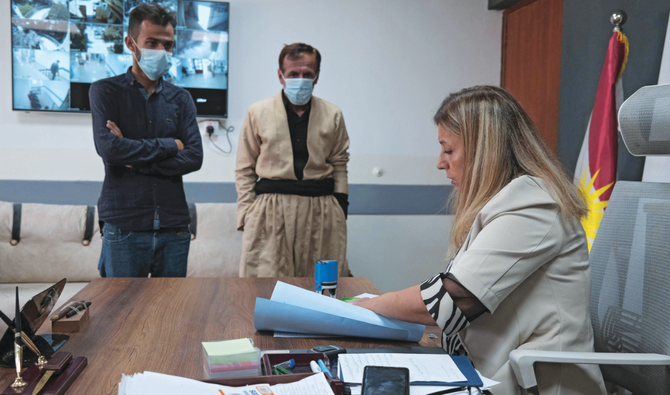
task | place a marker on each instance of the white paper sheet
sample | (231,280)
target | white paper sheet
(150,383)
(366,295)
(312,385)
(437,368)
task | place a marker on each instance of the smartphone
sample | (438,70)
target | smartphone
(384,380)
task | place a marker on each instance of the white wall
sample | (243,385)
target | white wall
(387,63)
(397,251)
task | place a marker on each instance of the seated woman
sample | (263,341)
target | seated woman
(519,275)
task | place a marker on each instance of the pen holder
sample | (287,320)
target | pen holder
(57,385)
(29,357)
(302,367)
(302,361)
(76,323)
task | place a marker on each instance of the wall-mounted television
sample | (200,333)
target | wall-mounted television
(61,46)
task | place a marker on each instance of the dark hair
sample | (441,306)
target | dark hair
(296,51)
(152,12)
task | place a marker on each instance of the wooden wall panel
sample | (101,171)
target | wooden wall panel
(531,61)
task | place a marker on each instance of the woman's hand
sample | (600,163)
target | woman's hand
(365,303)
(405,305)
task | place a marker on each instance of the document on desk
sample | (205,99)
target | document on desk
(150,383)
(423,368)
(293,309)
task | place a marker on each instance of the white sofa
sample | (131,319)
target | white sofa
(51,249)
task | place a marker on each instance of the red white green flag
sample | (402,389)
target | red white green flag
(596,169)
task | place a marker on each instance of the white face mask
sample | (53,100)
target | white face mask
(155,63)
(299,90)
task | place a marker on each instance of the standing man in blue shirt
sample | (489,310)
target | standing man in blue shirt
(146,132)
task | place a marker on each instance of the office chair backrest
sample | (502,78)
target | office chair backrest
(630,257)
(630,291)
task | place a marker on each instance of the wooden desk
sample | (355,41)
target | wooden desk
(143,324)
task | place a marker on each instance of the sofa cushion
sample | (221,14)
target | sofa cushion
(51,245)
(217,247)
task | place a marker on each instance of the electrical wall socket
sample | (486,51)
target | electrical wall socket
(214,124)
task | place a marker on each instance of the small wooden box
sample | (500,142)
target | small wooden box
(76,323)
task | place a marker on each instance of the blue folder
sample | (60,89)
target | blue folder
(293,309)
(468,371)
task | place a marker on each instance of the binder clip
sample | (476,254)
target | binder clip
(325,277)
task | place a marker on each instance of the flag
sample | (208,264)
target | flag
(596,169)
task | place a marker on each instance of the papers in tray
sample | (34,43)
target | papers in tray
(293,309)
(150,383)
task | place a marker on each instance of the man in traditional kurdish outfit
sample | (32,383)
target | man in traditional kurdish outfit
(291,176)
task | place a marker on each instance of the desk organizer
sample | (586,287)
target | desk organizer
(302,361)
(58,384)
(302,366)
(76,323)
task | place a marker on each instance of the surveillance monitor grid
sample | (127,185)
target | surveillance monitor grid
(60,47)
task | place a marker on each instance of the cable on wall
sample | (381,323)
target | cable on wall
(228,130)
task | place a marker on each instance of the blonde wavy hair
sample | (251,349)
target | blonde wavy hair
(500,143)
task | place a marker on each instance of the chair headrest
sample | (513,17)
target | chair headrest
(644,121)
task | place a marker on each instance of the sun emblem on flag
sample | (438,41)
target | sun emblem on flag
(591,222)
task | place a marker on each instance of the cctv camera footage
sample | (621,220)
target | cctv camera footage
(60,47)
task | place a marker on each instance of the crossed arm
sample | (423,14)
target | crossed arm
(117,132)
(161,156)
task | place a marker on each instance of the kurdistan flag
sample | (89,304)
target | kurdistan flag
(596,169)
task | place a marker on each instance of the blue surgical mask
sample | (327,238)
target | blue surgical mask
(155,63)
(299,90)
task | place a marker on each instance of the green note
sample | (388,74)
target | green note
(229,351)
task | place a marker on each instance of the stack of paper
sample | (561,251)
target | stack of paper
(231,358)
(150,383)
(293,309)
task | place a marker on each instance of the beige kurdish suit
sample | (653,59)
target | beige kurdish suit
(284,235)
(531,271)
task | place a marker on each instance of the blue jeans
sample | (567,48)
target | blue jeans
(161,253)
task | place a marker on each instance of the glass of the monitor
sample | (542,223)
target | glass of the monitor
(60,47)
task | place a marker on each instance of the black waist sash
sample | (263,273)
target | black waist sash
(311,188)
